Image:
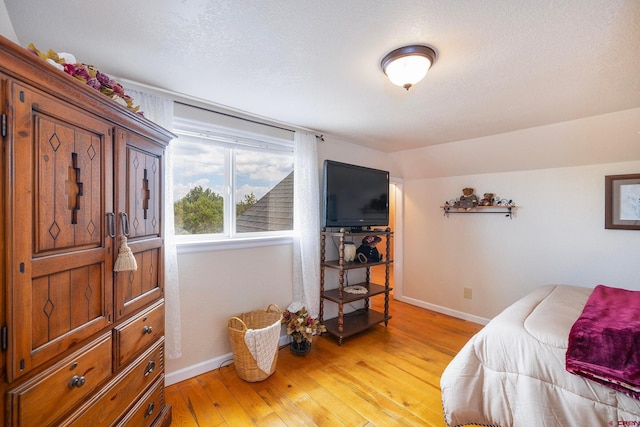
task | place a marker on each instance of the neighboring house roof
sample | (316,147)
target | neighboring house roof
(273,212)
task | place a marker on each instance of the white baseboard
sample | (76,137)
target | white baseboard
(206,366)
(225,359)
(444,310)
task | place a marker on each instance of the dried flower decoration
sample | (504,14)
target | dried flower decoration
(300,325)
(89,75)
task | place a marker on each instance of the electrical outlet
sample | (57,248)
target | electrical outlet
(468,293)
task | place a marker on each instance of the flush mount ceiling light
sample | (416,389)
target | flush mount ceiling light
(408,65)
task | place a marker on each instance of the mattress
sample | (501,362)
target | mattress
(512,373)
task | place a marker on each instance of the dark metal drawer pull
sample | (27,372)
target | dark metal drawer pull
(150,409)
(76,382)
(150,367)
(147,330)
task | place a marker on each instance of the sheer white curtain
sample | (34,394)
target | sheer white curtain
(160,110)
(306,224)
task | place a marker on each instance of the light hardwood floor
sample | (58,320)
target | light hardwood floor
(387,376)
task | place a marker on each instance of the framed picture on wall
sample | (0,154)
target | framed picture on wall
(622,201)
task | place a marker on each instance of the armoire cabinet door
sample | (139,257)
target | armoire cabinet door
(139,207)
(60,256)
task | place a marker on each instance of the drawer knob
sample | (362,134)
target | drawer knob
(150,409)
(147,330)
(150,367)
(76,382)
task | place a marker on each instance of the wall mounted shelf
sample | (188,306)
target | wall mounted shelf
(507,211)
(499,206)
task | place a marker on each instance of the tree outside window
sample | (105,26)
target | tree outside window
(227,190)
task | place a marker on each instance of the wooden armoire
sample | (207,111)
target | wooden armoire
(81,345)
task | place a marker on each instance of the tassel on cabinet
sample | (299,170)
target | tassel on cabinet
(125,261)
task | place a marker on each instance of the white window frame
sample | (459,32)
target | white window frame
(230,138)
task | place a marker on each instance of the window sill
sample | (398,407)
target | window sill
(231,244)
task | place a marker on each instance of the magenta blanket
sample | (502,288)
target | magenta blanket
(604,343)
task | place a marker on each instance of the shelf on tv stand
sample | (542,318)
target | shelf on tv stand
(354,323)
(352,265)
(348,233)
(373,290)
(345,325)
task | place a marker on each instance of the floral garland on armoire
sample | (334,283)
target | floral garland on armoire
(89,75)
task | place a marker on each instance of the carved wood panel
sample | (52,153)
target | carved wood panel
(61,257)
(142,195)
(65,301)
(69,195)
(140,160)
(135,286)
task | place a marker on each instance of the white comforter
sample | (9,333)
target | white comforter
(512,373)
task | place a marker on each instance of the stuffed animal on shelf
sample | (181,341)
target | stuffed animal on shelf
(468,200)
(487,200)
(367,251)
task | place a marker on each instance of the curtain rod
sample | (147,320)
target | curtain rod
(234,117)
(174,95)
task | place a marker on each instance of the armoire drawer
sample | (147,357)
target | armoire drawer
(109,404)
(148,409)
(43,399)
(139,333)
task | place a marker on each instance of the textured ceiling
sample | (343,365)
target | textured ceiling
(501,66)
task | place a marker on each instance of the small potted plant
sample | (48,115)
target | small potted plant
(301,327)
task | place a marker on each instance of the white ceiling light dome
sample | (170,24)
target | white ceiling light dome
(408,65)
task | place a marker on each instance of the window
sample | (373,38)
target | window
(230,183)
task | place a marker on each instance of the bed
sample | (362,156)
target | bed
(514,372)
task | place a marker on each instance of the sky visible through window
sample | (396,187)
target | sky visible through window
(199,163)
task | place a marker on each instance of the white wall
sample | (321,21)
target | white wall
(343,151)
(607,138)
(6,28)
(217,285)
(558,235)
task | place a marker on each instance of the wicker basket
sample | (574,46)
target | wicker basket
(246,366)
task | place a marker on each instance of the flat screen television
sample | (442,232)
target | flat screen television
(355,196)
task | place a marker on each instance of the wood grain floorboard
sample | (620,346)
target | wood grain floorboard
(386,376)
